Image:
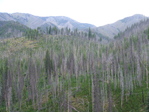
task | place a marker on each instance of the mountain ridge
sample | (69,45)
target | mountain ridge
(37,21)
(106,31)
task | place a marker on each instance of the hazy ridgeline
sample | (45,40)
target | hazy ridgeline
(59,74)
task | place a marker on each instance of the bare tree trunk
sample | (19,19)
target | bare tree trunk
(110,102)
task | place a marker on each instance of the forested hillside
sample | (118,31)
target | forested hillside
(59,73)
(10,29)
(136,29)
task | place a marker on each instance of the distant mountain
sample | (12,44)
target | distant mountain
(36,21)
(111,30)
(104,32)
(11,29)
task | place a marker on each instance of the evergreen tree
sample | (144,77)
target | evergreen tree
(50,30)
(48,64)
(89,33)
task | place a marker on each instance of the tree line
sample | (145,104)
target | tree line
(35,33)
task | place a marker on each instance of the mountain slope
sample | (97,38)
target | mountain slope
(111,30)
(11,29)
(35,21)
(137,29)
(62,21)
(6,17)
(28,20)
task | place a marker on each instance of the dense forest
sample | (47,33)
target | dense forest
(69,73)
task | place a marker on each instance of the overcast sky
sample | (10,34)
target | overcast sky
(97,12)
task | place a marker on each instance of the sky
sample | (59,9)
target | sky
(96,12)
